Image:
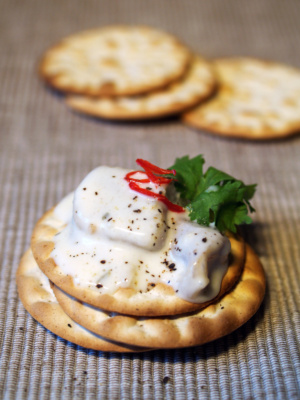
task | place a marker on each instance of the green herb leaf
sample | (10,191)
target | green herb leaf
(188,175)
(214,197)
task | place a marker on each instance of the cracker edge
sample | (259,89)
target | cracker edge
(37,302)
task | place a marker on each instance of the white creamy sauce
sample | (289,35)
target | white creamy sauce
(115,237)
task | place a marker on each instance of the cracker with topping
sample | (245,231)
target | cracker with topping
(159,299)
(119,244)
(128,261)
(196,85)
(256,100)
(115,61)
(66,315)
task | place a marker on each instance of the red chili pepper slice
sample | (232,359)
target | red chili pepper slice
(171,206)
(150,171)
(129,178)
(154,168)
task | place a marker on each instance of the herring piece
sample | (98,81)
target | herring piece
(204,253)
(105,207)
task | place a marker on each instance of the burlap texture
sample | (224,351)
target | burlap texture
(45,150)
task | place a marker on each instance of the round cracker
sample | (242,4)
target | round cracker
(38,299)
(159,300)
(114,60)
(197,84)
(217,320)
(256,100)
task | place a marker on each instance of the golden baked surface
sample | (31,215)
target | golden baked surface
(256,100)
(114,60)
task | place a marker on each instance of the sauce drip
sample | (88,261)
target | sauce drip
(154,175)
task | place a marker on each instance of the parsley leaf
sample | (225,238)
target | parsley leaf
(188,174)
(213,197)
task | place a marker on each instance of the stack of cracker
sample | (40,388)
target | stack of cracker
(138,73)
(128,319)
(127,73)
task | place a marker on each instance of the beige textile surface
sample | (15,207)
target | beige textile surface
(45,150)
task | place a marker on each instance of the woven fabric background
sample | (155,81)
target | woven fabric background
(45,150)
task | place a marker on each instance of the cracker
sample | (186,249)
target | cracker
(39,300)
(196,85)
(218,319)
(114,60)
(159,300)
(256,100)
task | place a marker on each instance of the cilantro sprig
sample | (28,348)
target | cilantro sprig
(213,197)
